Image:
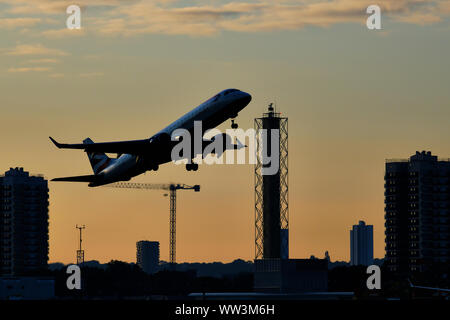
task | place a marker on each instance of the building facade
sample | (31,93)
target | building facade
(291,275)
(361,244)
(27,288)
(23,223)
(147,256)
(417,206)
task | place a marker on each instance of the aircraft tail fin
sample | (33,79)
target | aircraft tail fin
(98,160)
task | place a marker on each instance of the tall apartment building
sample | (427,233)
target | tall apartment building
(147,256)
(361,244)
(23,223)
(417,218)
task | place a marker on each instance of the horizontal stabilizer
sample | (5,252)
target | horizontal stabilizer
(88,178)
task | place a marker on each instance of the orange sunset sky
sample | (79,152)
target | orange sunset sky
(353,96)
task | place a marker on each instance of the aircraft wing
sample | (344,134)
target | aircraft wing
(427,288)
(130,147)
(88,178)
(430,288)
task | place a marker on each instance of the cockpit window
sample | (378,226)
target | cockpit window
(213,99)
(223,93)
(229,91)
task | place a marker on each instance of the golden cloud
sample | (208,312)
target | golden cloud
(34,49)
(44,60)
(258,16)
(63,33)
(134,17)
(12,23)
(29,69)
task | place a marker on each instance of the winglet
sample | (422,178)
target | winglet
(410,283)
(58,145)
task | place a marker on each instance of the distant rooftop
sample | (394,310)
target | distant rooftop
(19,172)
(420,156)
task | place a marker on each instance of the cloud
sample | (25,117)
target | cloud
(444,7)
(30,69)
(257,16)
(44,60)
(420,19)
(177,17)
(49,7)
(55,7)
(34,49)
(13,23)
(25,50)
(63,33)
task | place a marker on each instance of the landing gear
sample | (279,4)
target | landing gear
(233,124)
(192,166)
(154,167)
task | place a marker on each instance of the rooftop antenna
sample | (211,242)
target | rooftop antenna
(80,251)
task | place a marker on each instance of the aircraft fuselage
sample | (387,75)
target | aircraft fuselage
(211,113)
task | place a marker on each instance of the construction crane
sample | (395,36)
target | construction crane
(172,188)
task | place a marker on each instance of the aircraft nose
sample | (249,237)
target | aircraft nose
(246,98)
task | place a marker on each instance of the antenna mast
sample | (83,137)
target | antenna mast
(80,251)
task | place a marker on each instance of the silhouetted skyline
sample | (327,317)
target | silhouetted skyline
(354,97)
